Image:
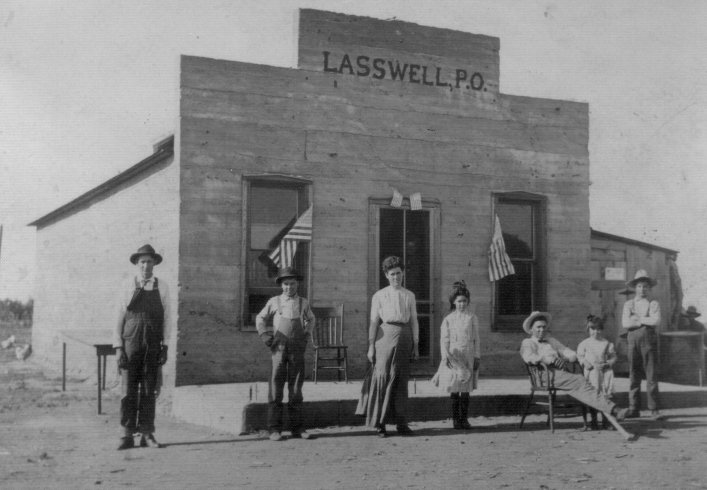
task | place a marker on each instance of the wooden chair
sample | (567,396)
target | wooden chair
(541,384)
(328,341)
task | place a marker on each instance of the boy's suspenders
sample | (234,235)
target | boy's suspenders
(279,308)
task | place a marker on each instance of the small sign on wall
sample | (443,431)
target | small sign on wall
(614,273)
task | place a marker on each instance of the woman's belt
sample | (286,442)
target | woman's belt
(398,324)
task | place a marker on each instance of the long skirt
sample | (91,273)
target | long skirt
(384,397)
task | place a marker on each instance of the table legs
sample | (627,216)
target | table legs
(99,382)
(63,366)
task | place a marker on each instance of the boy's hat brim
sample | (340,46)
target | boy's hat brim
(641,276)
(146,250)
(286,273)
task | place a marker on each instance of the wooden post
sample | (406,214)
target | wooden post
(98,381)
(63,366)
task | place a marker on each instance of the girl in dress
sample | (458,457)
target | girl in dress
(597,356)
(461,354)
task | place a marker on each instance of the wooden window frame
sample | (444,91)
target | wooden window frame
(273,180)
(506,323)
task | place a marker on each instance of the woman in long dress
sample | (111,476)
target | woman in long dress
(393,337)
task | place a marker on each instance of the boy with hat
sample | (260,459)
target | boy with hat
(640,318)
(292,321)
(540,348)
(140,340)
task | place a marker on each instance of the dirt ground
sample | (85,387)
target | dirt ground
(54,439)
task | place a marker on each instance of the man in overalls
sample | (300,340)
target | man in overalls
(140,342)
(640,319)
(292,321)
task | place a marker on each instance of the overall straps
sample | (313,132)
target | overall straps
(279,307)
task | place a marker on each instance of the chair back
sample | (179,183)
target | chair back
(329,328)
(539,376)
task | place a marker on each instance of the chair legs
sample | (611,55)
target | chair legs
(316,364)
(551,402)
(346,367)
(339,361)
(527,407)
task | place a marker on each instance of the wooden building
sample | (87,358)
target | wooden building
(615,260)
(375,109)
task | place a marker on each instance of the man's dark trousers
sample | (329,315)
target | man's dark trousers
(642,358)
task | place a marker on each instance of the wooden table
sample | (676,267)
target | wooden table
(101,340)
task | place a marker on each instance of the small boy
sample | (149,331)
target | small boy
(292,321)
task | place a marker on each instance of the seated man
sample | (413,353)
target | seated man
(543,349)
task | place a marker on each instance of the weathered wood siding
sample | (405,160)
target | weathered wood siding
(83,259)
(282,122)
(355,138)
(606,300)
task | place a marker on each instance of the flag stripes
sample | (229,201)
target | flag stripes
(284,253)
(500,264)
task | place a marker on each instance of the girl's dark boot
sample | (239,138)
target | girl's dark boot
(456,408)
(464,412)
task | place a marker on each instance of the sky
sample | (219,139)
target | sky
(87,88)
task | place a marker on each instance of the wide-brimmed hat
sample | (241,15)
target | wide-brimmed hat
(146,250)
(528,322)
(286,273)
(641,275)
(691,312)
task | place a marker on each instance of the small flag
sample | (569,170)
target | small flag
(397,200)
(500,264)
(416,201)
(301,231)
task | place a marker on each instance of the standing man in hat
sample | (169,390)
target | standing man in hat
(640,319)
(140,339)
(292,323)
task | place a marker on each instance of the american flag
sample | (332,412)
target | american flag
(301,231)
(416,201)
(500,264)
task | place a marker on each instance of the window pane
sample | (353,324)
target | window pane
(423,320)
(517,225)
(271,210)
(515,292)
(417,253)
(392,226)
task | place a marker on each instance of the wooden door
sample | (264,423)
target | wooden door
(410,235)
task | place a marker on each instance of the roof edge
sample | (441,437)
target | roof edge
(601,234)
(162,150)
